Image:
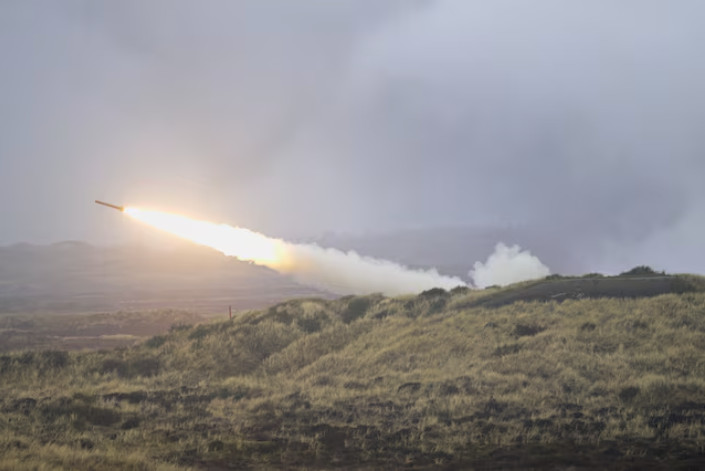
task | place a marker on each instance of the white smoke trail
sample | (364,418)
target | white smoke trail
(507,265)
(330,269)
(348,272)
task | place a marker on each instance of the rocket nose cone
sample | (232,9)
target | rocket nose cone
(114,206)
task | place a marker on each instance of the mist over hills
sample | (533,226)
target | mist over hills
(76,277)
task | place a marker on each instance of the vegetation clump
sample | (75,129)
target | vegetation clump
(642,270)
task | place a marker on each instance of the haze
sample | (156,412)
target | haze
(578,121)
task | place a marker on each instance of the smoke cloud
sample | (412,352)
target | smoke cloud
(330,269)
(349,272)
(335,270)
(508,265)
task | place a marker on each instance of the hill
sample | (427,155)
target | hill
(75,277)
(438,380)
(560,288)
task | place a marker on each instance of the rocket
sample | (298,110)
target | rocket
(114,206)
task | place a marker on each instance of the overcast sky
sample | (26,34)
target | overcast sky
(584,119)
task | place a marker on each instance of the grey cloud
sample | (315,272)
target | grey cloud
(580,119)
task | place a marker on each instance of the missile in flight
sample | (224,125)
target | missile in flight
(114,206)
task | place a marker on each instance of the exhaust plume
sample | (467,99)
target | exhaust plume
(507,265)
(330,269)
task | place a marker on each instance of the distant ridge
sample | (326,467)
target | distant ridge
(77,277)
(562,288)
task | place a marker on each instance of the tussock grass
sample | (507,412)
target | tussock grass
(416,381)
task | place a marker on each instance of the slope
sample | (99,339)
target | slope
(363,382)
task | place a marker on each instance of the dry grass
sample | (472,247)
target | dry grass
(416,382)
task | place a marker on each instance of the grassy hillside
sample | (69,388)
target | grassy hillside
(438,379)
(560,288)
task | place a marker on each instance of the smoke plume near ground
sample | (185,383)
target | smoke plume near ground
(508,265)
(330,269)
(348,272)
(337,271)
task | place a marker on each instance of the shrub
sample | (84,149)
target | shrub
(5,363)
(282,314)
(642,270)
(355,309)
(433,293)
(80,411)
(97,415)
(156,341)
(311,323)
(26,358)
(54,359)
(137,367)
(437,305)
(112,365)
(129,424)
(215,445)
(199,332)
(507,349)
(628,393)
(522,330)
(179,327)
(459,290)
(255,343)
(687,283)
(144,367)
(587,327)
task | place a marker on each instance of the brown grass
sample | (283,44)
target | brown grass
(367,382)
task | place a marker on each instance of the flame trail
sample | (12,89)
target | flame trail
(331,269)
